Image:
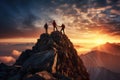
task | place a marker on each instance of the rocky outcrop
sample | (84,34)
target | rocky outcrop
(52,58)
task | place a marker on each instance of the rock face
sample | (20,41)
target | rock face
(52,58)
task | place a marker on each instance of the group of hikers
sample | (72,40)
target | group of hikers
(54,27)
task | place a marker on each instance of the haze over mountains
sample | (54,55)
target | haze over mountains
(9,52)
(111,48)
(103,63)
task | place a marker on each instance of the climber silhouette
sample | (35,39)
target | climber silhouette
(63,27)
(46,27)
(54,26)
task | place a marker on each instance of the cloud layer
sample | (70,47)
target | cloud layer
(10,52)
(11,58)
(21,18)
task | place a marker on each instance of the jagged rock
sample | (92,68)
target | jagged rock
(15,70)
(40,61)
(35,77)
(23,57)
(55,54)
(61,77)
(15,77)
(3,66)
(42,43)
(4,71)
(46,75)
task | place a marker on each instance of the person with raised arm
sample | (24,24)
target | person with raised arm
(54,26)
(62,29)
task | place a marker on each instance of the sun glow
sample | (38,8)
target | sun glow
(84,42)
(18,40)
(100,41)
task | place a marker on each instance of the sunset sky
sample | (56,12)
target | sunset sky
(88,22)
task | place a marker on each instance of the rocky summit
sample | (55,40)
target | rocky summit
(52,58)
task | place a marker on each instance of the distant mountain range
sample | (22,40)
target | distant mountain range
(111,48)
(100,73)
(102,62)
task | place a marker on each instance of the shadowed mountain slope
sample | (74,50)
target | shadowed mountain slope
(52,58)
(102,62)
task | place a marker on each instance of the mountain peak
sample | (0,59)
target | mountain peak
(53,54)
(49,41)
(111,48)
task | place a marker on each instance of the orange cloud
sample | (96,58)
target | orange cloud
(7,59)
(16,53)
(10,59)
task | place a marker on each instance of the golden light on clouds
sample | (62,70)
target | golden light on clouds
(100,41)
(86,39)
(91,40)
(18,40)
(83,28)
(7,59)
(16,53)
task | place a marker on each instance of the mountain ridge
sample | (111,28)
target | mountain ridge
(102,62)
(53,55)
(111,48)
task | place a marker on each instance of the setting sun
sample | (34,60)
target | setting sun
(100,41)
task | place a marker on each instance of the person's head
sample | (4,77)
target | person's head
(45,23)
(63,25)
(53,20)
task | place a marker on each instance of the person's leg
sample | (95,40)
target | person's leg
(56,29)
(63,31)
(46,30)
(53,28)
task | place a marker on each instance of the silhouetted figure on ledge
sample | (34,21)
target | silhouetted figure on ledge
(46,27)
(62,29)
(54,26)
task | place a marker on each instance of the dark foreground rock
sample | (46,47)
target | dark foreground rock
(52,58)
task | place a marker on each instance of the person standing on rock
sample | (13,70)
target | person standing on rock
(54,26)
(62,29)
(46,27)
